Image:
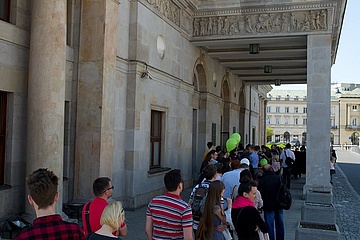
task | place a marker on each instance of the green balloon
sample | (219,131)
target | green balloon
(236,136)
(230,144)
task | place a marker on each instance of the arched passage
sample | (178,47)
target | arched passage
(225,126)
(242,104)
(199,128)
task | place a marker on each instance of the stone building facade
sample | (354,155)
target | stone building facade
(287,114)
(129,89)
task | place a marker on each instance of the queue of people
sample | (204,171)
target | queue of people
(248,189)
(228,201)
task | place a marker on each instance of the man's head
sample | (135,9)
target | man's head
(209,172)
(250,148)
(267,168)
(102,187)
(210,145)
(42,185)
(172,180)
(288,145)
(244,163)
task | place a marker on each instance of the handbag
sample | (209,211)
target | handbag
(228,219)
(227,234)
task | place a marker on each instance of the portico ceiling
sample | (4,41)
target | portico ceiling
(286,55)
(281,28)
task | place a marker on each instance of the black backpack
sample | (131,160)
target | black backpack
(284,198)
(289,161)
(197,202)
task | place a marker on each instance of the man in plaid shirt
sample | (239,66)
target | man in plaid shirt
(43,196)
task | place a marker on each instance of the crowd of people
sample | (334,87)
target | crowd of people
(235,197)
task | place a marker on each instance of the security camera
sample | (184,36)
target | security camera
(150,75)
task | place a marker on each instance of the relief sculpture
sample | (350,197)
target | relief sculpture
(249,24)
(168,9)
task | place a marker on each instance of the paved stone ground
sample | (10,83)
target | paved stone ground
(346,200)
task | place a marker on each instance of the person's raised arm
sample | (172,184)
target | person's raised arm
(149,227)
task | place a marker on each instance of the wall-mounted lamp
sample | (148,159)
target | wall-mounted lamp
(254,48)
(277,82)
(268,69)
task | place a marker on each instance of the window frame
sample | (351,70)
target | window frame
(155,138)
(287,109)
(7,8)
(3,116)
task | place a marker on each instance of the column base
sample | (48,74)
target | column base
(316,231)
(318,213)
(322,195)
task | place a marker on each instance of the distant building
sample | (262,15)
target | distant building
(286,114)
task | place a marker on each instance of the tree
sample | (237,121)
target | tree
(269,133)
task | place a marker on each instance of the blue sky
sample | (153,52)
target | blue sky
(348,55)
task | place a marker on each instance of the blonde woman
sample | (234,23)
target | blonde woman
(112,220)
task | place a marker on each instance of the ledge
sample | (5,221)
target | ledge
(5,187)
(158,171)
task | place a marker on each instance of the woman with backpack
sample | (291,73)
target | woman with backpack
(213,220)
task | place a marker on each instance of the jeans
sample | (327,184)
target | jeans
(277,217)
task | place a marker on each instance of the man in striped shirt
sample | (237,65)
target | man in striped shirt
(168,216)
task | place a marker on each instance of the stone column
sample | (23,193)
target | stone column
(46,90)
(318,111)
(95,101)
(318,207)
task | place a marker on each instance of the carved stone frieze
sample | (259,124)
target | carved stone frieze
(166,7)
(262,23)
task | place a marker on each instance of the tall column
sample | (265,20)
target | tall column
(46,89)
(318,114)
(95,101)
(318,205)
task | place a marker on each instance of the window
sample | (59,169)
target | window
(213,133)
(286,120)
(354,107)
(5,10)
(277,109)
(3,100)
(354,122)
(234,129)
(296,110)
(155,138)
(296,121)
(287,109)
(268,109)
(277,120)
(304,121)
(268,120)
(277,138)
(305,110)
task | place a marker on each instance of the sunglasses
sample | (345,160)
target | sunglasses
(112,187)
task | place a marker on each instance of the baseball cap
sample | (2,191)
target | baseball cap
(245,161)
(263,162)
